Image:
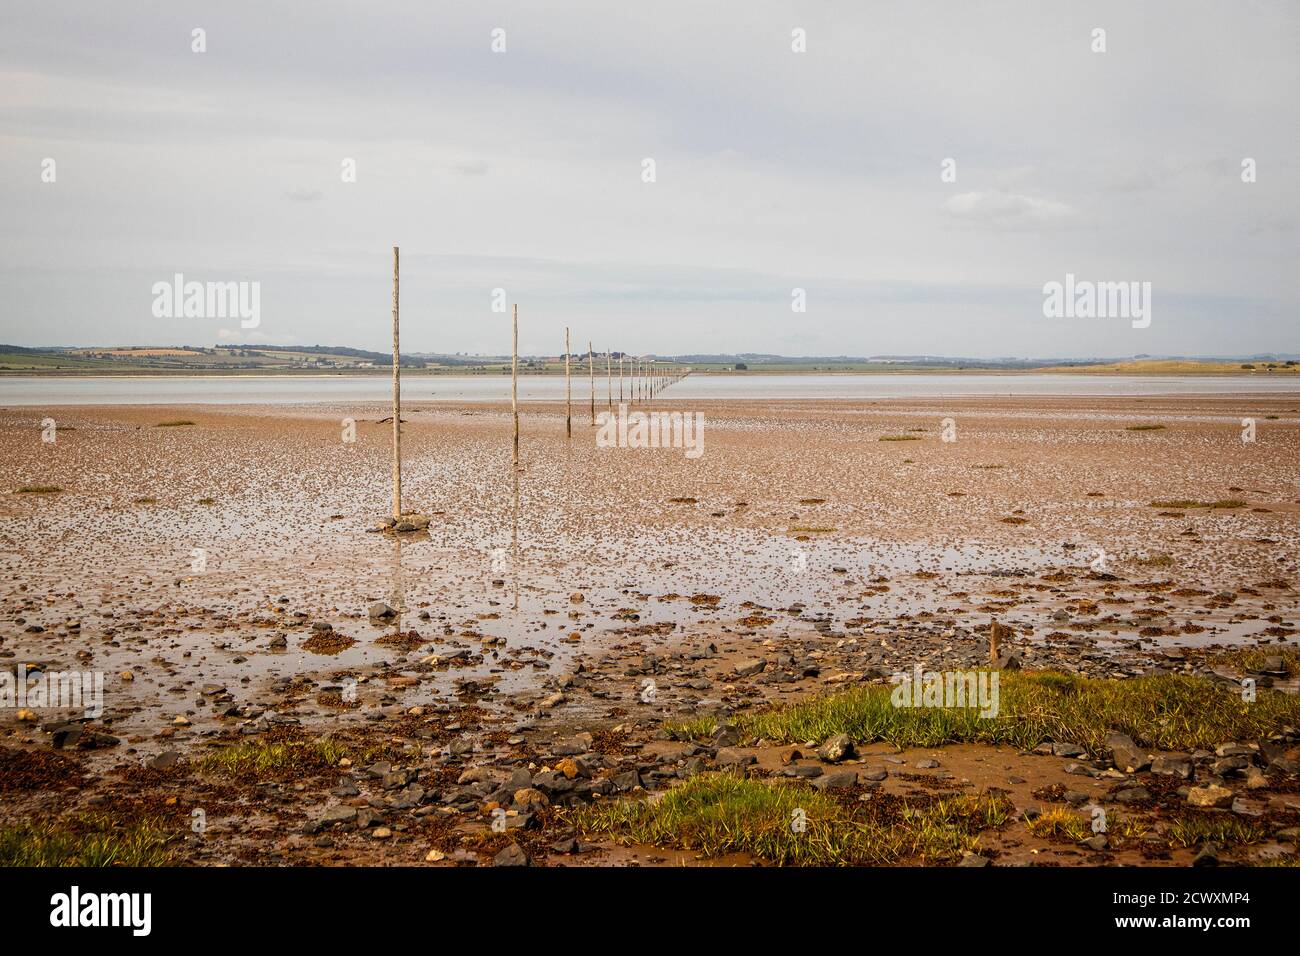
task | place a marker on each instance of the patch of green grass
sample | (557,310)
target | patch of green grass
(39,490)
(1064,824)
(1144,428)
(1165,711)
(207,501)
(1187,503)
(899,438)
(174,423)
(260,758)
(721,813)
(1060,823)
(1256,659)
(85,841)
(1193,829)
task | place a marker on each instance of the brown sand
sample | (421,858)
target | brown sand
(179,553)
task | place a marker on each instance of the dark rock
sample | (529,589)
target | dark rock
(1174,765)
(168,758)
(727,757)
(836,780)
(1133,795)
(626,781)
(513,855)
(726,735)
(336,815)
(1128,756)
(1096,842)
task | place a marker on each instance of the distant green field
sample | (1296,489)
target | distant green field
(37,361)
(324,360)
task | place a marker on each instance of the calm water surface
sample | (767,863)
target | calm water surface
(281,389)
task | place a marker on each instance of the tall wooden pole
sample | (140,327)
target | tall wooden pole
(591,373)
(568,393)
(609,380)
(397,402)
(514,379)
(620,378)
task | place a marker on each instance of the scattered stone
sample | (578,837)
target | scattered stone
(513,855)
(1208,856)
(729,757)
(838,780)
(1174,765)
(337,815)
(836,748)
(726,735)
(1096,842)
(1210,795)
(1128,756)
(168,758)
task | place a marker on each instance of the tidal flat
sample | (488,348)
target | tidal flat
(627,656)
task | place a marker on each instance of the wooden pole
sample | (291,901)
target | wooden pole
(620,378)
(397,401)
(591,374)
(514,379)
(609,380)
(568,394)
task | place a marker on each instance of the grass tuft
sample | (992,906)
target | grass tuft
(721,813)
(277,758)
(1193,829)
(1165,711)
(89,841)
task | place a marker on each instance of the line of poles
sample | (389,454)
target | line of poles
(640,379)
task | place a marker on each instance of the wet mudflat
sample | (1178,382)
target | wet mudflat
(598,626)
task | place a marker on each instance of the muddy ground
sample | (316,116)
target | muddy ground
(219,566)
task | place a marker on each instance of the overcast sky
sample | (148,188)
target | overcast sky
(775,170)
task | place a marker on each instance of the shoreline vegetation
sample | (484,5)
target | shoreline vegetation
(332,361)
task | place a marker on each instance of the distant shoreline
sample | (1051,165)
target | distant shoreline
(1170,369)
